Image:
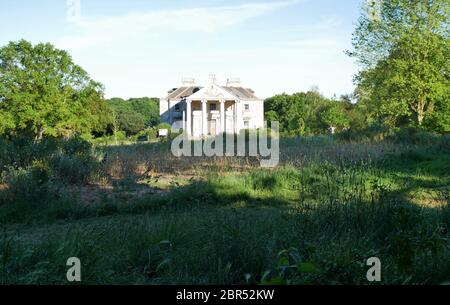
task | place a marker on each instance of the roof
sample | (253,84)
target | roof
(183,92)
(241,92)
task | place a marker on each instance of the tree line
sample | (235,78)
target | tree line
(43,93)
(402,49)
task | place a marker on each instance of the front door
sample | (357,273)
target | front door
(212,127)
(197,124)
(229,125)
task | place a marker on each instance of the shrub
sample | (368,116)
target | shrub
(5,154)
(131,122)
(369,134)
(76,146)
(151,133)
(29,169)
(414,136)
(165,126)
(118,137)
(76,169)
(25,184)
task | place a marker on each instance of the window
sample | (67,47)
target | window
(212,107)
(247,107)
(247,124)
(177,107)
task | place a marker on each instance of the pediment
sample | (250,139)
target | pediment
(211,92)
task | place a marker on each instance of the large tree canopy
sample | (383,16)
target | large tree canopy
(42,92)
(335,116)
(135,114)
(404,54)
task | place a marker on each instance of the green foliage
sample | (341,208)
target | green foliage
(25,184)
(373,133)
(43,93)
(33,171)
(151,133)
(439,120)
(136,114)
(404,53)
(119,137)
(293,110)
(310,113)
(131,122)
(165,126)
(148,108)
(290,270)
(73,169)
(335,116)
(330,213)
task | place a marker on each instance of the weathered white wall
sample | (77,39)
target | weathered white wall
(259,114)
(167,111)
(256,114)
(163,111)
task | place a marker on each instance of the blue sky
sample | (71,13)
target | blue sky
(143,48)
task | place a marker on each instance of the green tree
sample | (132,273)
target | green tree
(298,114)
(404,55)
(335,116)
(148,108)
(131,122)
(439,119)
(271,116)
(42,92)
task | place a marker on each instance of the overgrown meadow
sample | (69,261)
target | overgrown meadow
(135,214)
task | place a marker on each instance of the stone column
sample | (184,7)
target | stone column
(238,116)
(235,117)
(222,116)
(204,118)
(169,108)
(189,117)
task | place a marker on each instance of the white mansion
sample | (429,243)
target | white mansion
(213,109)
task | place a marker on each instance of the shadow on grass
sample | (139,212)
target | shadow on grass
(417,172)
(196,235)
(404,175)
(219,229)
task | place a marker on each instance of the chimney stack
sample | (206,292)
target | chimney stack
(212,78)
(234,82)
(188,82)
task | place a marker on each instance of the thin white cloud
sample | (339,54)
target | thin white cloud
(150,24)
(145,53)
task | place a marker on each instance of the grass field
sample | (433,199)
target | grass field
(146,217)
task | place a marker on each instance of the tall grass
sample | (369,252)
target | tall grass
(315,219)
(206,246)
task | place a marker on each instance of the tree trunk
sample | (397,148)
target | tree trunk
(420,118)
(420,111)
(40,134)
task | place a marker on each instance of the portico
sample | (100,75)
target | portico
(209,117)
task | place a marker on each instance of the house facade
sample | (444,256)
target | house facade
(213,109)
